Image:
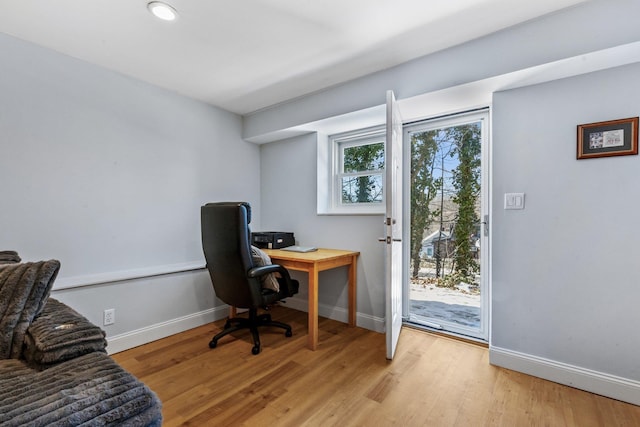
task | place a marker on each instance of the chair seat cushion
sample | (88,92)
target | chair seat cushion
(271,297)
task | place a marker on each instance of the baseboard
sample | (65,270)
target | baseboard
(585,379)
(340,314)
(121,342)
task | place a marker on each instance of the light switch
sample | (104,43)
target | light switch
(514,200)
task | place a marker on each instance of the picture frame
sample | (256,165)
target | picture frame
(606,139)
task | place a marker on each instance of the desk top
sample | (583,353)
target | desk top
(322,254)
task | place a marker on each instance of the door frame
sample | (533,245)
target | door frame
(485,217)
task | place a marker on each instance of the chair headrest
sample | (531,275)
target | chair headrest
(245,204)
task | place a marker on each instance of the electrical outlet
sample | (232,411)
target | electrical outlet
(109,316)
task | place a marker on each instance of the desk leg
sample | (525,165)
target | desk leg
(313,308)
(353,286)
(233,312)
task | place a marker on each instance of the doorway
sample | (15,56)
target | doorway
(447,254)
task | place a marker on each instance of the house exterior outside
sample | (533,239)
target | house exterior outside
(443,243)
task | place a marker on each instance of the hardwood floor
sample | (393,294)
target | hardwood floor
(433,381)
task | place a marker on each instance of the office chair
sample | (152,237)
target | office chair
(236,279)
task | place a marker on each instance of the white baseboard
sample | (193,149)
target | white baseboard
(340,314)
(121,342)
(585,379)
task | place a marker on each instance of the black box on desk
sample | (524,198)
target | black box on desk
(272,239)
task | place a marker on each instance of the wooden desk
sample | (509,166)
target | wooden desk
(313,263)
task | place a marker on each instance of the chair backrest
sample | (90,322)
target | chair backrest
(227,250)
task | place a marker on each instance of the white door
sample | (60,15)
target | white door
(393,225)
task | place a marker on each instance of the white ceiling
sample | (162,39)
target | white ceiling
(244,55)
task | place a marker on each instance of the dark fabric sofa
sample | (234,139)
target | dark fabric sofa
(54,369)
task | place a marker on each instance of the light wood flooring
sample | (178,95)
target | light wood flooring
(433,381)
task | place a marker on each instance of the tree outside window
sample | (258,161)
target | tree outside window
(361,178)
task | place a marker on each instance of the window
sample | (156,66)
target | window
(361,165)
(356,172)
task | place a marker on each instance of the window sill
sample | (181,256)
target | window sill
(355,211)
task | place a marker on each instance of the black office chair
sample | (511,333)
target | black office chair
(236,279)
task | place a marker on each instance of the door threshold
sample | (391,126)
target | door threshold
(451,335)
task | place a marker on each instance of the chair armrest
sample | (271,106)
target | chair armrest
(288,287)
(60,333)
(257,272)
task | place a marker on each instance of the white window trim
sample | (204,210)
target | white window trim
(328,174)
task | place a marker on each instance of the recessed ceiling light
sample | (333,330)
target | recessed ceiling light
(162,11)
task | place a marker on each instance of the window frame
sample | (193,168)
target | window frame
(337,143)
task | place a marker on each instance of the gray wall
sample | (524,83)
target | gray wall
(565,282)
(107,174)
(288,187)
(571,32)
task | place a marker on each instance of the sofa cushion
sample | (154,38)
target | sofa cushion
(9,257)
(91,390)
(24,289)
(60,333)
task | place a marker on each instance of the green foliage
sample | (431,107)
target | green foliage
(446,164)
(424,187)
(466,181)
(367,157)
(450,280)
(364,188)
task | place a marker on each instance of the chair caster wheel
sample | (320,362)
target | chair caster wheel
(255,349)
(288,333)
(213,344)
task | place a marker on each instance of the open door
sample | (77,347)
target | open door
(393,225)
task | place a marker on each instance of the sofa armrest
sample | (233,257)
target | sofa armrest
(60,333)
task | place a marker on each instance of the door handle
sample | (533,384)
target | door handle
(388,240)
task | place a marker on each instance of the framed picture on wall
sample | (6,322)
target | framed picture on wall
(605,139)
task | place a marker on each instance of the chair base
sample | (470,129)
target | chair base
(252,323)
